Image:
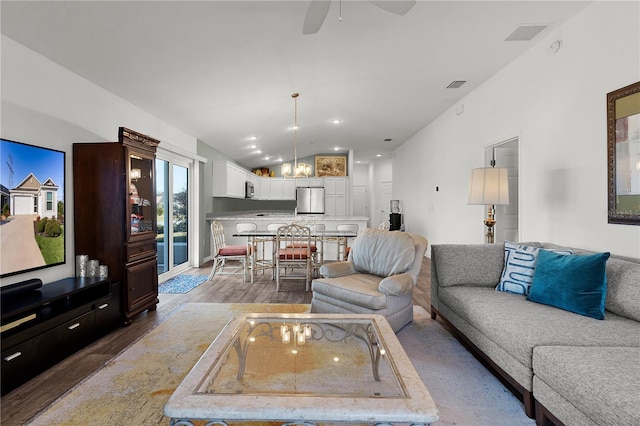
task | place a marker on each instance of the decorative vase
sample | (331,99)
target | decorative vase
(81,265)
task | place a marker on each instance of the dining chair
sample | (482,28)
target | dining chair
(316,254)
(293,253)
(223,252)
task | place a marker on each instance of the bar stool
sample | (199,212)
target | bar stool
(251,248)
(351,227)
(271,227)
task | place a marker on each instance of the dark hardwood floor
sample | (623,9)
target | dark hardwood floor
(20,405)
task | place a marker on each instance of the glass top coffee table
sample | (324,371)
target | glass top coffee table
(303,368)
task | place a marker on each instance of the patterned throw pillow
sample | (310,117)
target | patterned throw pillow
(519,265)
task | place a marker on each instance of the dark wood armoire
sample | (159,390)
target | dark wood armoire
(115,214)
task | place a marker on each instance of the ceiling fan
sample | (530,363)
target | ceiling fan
(318,10)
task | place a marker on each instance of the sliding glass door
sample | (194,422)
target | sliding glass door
(173,199)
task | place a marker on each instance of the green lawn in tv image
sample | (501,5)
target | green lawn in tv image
(32,207)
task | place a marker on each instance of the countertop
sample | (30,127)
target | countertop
(284,216)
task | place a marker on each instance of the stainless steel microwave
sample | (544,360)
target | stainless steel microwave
(248,190)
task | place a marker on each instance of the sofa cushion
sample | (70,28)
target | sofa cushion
(383,253)
(233,251)
(517,325)
(467,264)
(576,283)
(357,289)
(519,266)
(602,382)
(623,287)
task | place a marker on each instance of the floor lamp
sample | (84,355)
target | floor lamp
(489,186)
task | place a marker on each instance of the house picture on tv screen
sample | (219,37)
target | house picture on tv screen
(32,203)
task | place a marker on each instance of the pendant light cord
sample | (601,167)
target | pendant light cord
(295,132)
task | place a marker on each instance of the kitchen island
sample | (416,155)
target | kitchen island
(263,219)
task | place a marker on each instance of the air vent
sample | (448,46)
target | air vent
(525,32)
(455,84)
(388,140)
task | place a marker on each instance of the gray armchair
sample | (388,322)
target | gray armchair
(379,277)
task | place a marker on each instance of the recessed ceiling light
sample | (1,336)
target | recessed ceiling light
(294,127)
(336,121)
(358,162)
(266,158)
(257,151)
(337,148)
(378,155)
(253,138)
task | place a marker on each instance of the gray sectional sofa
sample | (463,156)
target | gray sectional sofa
(568,368)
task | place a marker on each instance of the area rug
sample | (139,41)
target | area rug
(181,284)
(134,386)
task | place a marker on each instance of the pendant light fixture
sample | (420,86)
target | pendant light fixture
(302,169)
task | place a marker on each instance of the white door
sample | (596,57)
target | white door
(506,227)
(385,199)
(360,205)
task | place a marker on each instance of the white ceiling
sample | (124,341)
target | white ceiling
(225,70)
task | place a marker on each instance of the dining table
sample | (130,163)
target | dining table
(256,238)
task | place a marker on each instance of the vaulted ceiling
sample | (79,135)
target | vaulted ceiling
(224,71)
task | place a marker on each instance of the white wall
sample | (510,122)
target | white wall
(360,176)
(381,170)
(47,105)
(556,104)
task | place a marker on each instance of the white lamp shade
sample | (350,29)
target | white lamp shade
(489,185)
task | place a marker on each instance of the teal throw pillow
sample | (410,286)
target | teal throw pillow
(519,266)
(575,283)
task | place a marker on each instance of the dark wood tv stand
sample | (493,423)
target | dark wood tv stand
(41,327)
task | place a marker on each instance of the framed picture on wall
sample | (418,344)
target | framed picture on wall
(623,154)
(331,166)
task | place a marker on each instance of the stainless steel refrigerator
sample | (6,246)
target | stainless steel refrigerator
(310,200)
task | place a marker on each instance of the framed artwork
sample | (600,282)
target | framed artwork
(623,154)
(331,166)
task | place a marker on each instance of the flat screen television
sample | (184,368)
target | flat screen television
(32,207)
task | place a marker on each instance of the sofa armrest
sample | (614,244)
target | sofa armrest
(337,269)
(397,285)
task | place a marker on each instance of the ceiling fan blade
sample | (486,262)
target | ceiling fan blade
(316,14)
(399,7)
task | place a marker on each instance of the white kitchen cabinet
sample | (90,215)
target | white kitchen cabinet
(277,189)
(263,190)
(288,189)
(309,182)
(228,180)
(336,196)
